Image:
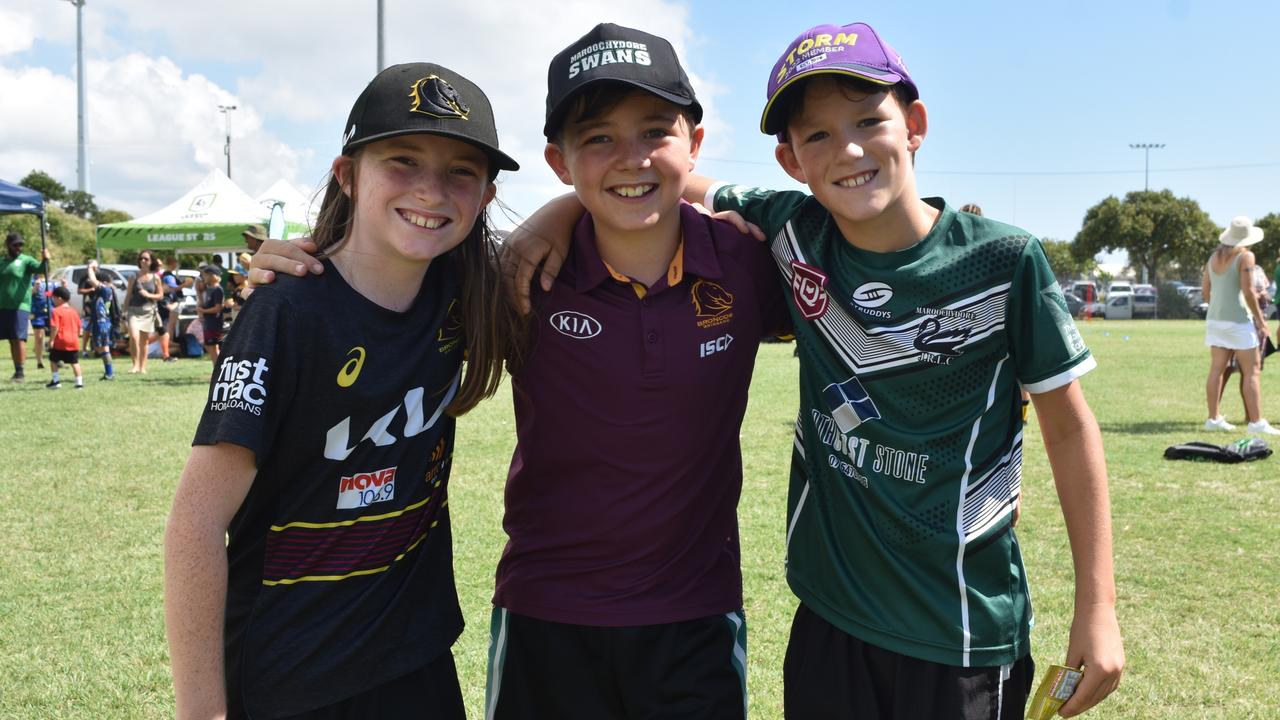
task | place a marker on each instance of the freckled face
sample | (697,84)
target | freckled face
(417,196)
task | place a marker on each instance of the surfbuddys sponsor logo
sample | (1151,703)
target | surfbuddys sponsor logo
(240,385)
(607,53)
(366,488)
(350,370)
(711,303)
(871,295)
(575,324)
(809,290)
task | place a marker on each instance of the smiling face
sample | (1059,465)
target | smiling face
(416,196)
(630,164)
(854,151)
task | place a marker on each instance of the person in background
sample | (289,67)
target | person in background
(171,286)
(211,309)
(103,316)
(1234,324)
(16,271)
(64,327)
(39,315)
(972,209)
(254,236)
(140,300)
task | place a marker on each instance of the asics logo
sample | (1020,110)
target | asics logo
(350,370)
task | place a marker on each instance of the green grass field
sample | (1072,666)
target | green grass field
(88,477)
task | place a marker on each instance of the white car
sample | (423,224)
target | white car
(72,275)
(1119,287)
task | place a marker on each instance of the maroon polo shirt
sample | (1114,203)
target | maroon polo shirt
(621,501)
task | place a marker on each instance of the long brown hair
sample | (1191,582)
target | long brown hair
(490,323)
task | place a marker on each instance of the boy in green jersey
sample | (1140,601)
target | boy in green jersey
(915,326)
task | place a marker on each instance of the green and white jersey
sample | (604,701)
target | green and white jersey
(908,447)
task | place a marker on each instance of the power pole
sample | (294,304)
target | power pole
(226,125)
(382,57)
(82,127)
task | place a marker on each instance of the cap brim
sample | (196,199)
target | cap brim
(500,159)
(556,118)
(768,125)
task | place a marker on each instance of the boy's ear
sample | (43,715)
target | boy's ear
(786,157)
(917,125)
(555,158)
(695,144)
(342,169)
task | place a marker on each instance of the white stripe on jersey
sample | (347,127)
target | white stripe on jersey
(960,506)
(863,349)
(992,497)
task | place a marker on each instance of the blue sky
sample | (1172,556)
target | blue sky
(1032,105)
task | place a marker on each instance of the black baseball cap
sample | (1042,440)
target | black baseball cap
(612,53)
(424,98)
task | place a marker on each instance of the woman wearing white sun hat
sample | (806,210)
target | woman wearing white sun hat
(1234,324)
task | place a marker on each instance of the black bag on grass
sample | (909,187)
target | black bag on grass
(1237,452)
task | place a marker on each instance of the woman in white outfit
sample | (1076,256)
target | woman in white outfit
(1234,324)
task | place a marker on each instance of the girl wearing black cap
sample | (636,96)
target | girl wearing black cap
(324,450)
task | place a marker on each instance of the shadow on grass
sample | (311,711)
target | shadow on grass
(177,381)
(1163,427)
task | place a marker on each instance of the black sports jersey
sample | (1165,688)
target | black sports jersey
(340,558)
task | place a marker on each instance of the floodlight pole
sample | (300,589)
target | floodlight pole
(382,58)
(1146,149)
(226,125)
(82,130)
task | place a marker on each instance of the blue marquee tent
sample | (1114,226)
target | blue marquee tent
(18,199)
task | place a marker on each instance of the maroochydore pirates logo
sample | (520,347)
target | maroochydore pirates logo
(711,303)
(433,96)
(350,370)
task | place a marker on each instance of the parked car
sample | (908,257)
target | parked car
(1128,305)
(1084,290)
(72,275)
(1119,286)
(1144,289)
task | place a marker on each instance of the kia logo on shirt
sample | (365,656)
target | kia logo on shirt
(872,294)
(575,324)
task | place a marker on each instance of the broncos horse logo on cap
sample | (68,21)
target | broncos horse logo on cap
(437,98)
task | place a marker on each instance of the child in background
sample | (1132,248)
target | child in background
(211,310)
(308,556)
(102,316)
(64,326)
(39,315)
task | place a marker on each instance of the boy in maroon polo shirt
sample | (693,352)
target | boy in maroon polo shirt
(619,594)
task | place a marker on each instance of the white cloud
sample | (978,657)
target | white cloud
(293,67)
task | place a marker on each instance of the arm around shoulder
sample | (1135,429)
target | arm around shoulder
(1073,444)
(213,486)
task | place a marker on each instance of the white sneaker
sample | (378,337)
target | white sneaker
(1218,423)
(1262,427)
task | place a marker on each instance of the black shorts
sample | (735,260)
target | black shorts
(14,324)
(429,692)
(70,357)
(676,671)
(830,674)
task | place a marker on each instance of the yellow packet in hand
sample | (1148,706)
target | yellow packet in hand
(1054,691)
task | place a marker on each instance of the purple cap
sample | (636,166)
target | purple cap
(855,50)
